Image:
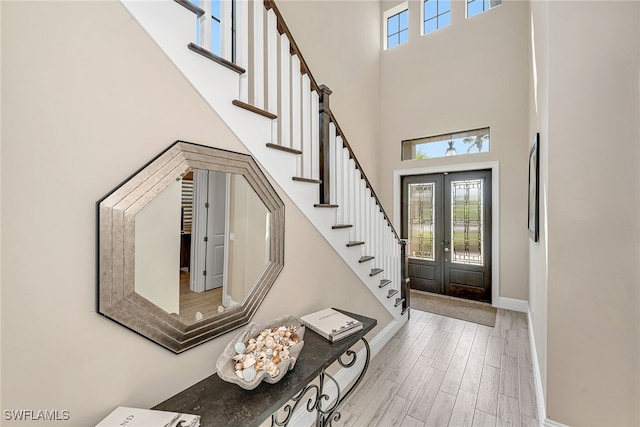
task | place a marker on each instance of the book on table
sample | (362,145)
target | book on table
(124,416)
(331,324)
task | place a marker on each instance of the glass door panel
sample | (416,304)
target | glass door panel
(422,221)
(467,220)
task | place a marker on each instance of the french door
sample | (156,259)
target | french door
(446,218)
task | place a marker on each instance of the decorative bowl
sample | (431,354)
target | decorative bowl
(225,364)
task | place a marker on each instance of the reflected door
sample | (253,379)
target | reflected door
(447,221)
(208,243)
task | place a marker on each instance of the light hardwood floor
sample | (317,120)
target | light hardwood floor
(439,371)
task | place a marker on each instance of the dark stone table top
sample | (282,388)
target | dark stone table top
(224,404)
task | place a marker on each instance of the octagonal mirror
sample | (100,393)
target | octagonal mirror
(189,245)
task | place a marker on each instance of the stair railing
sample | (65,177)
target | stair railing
(276,82)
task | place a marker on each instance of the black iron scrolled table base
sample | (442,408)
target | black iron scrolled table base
(325,416)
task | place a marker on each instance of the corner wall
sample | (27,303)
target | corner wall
(87,99)
(590,124)
(539,122)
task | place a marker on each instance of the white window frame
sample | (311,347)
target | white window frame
(466,9)
(422,33)
(389,13)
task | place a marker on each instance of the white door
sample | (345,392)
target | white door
(216,233)
(208,235)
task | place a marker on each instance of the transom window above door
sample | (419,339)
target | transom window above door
(445,145)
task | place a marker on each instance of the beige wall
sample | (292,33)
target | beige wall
(593,376)
(87,99)
(584,296)
(469,75)
(340,40)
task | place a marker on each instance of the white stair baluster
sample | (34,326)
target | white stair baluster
(346,201)
(339,181)
(295,104)
(332,163)
(272,70)
(226,30)
(284,112)
(306,127)
(258,55)
(242,46)
(315,135)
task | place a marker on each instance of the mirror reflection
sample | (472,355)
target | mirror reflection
(201,244)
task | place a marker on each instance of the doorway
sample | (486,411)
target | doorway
(446,218)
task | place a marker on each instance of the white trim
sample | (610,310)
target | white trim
(513,304)
(346,375)
(388,13)
(550,423)
(495,210)
(537,377)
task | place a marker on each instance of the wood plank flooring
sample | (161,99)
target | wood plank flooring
(438,371)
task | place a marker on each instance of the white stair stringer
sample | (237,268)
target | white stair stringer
(171,26)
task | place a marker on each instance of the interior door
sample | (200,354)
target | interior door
(209,230)
(216,229)
(446,218)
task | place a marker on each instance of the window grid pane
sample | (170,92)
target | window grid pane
(437,14)
(475,7)
(397,29)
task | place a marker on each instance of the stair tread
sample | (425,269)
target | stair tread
(392,292)
(365,258)
(309,180)
(354,243)
(375,271)
(283,148)
(405,310)
(337,226)
(325,205)
(384,282)
(215,58)
(399,301)
(254,109)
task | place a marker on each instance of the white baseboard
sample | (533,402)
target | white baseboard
(514,304)
(551,423)
(537,377)
(302,418)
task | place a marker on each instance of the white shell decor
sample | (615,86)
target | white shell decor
(262,352)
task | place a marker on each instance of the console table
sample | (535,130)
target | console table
(222,404)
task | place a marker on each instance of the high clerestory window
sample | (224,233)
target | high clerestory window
(435,14)
(396,26)
(475,7)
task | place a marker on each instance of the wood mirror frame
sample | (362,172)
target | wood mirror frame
(117,298)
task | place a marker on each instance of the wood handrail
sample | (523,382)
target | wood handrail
(304,68)
(352,156)
(295,50)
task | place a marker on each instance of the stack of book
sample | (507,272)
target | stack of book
(331,324)
(124,416)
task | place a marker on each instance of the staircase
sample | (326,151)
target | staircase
(260,85)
